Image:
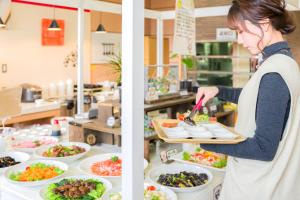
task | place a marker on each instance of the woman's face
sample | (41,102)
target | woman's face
(254,37)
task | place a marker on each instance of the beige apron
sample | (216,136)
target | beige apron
(279,179)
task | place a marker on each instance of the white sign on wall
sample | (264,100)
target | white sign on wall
(185,28)
(105,46)
(225,34)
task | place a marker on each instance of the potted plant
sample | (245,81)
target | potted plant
(116,63)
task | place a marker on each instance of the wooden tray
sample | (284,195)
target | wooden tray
(162,135)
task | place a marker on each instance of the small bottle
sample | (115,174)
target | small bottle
(213,111)
(56,128)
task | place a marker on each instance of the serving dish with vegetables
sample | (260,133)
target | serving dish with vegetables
(76,188)
(64,151)
(201,157)
(35,173)
(151,192)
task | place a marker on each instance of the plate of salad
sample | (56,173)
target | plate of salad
(151,192)
(203,158)
(105,165)
(63,151)
(35,173)
(76,188)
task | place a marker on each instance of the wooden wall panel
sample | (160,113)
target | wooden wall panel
(206,27)
(150,27)
(170,4)
(294,38)
(113,1)
(111,22)
(102,72)
(211,3)
(147,2)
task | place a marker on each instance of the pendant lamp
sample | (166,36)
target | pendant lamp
(100,28)
(54,25)
(2,24)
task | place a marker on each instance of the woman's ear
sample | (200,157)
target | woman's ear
(265,24)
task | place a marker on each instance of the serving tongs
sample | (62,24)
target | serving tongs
(189,119)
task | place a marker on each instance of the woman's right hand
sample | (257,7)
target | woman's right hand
(207,92)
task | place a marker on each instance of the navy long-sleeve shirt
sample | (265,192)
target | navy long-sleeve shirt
(272,111)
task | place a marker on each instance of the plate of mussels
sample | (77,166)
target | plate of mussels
(181,177)
(9,159)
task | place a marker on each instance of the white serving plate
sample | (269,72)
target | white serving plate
(200,133)
(223,134)
(184,134)
(85,164)
(107,183)
(178,158)
(176,132)
(23,138)
(68,159)
(211,126)
(195,129)
(22,167)
(177,129)
(169,193)
(177,168)
(18,156)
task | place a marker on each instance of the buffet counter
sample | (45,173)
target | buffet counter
(14,192)
(34,111)
(29,108)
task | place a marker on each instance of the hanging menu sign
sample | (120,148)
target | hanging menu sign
(225,34)
(185,30)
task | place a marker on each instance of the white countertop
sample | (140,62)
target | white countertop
(13,192)
(28,108)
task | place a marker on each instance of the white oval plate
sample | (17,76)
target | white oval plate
(169,193)
(68,159)
(178,157)
(18,156)
(223,134)
(195,129)
(211,126)
(199,132)
(19,139)
(22,167)
(85,165)
(108,185)
(177,168)
(177,132)
(174,130)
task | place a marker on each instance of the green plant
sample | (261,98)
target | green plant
(188,61)
(116,63)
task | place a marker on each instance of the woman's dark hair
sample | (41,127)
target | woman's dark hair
(257,10)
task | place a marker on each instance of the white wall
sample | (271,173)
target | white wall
(27,59)
(240,65)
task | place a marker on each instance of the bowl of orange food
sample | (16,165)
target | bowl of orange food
(36,172)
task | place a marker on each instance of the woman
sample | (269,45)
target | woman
(267,164)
